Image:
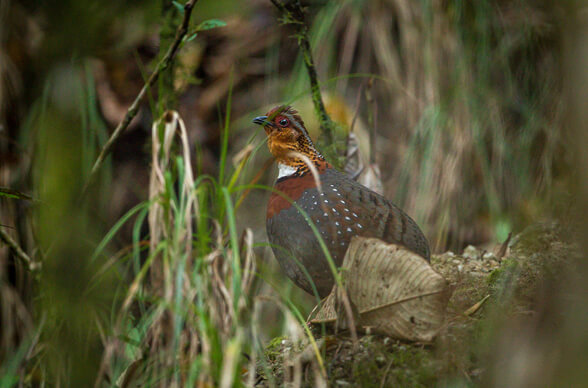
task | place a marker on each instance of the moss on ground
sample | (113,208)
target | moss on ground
(380,361)
(498,287)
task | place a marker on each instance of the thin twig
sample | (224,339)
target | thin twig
(292,14)
(17,250)
(134,108)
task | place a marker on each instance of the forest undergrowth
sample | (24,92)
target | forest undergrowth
(133,187)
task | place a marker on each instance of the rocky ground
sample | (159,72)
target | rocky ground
(486,285)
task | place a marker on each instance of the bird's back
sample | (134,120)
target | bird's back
(341,209)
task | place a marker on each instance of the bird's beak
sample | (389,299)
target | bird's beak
(262,120)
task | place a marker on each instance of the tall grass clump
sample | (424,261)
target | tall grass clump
(180,322)
(188,317)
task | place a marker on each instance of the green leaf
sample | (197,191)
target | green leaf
(179,6)
(210,24)
(190,37)
(205,25)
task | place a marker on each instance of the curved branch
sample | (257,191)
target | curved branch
(134,108)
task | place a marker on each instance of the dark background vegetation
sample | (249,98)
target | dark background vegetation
(478,110)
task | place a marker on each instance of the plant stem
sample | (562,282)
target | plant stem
(292,14)
(165,86)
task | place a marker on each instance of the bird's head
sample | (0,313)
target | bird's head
(287,137)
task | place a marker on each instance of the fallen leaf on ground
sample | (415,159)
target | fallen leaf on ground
(396,291)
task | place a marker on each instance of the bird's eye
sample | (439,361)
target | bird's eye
(284,122)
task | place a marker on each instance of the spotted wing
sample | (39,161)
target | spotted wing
(362,212)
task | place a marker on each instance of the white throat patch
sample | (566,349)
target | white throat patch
(285,170)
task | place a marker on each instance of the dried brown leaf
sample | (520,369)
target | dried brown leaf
(472,310)
(396,291)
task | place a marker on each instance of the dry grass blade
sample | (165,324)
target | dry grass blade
(248,261)
(160,163)
(188,183)
(311,167)
(170,222)
(223,297)
(232,354)
(157,179)
(396,292)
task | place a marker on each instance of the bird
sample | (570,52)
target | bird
(338,206)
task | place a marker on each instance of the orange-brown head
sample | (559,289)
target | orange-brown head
(287,137)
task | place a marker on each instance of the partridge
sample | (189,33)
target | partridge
(340,208)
